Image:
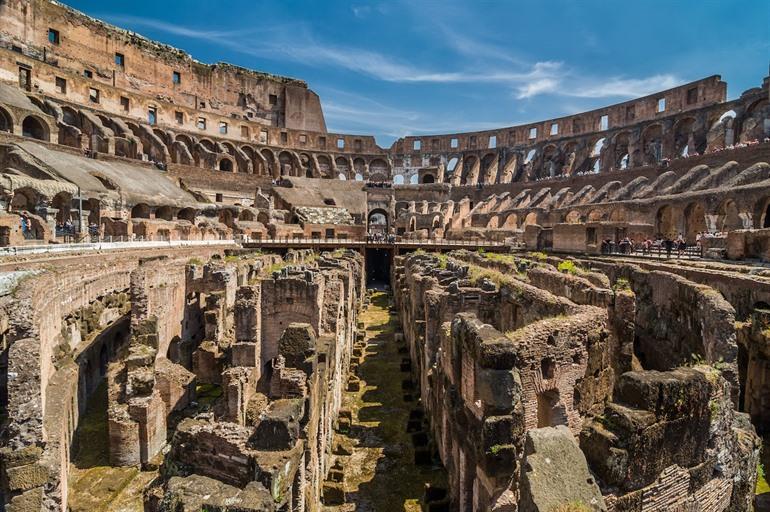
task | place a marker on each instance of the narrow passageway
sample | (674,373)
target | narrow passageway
(375,459)
(94,485)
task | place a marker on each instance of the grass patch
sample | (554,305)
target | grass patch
(207,394)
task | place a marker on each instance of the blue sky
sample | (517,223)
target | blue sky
(402,67)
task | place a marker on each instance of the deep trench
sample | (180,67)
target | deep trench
(392,459)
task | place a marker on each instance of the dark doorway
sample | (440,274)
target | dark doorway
(377,267)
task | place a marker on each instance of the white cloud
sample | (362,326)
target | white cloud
(297,43)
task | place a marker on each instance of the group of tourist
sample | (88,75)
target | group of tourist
(379,237)
(646,247)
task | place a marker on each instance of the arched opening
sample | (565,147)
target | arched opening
(34,128)
(63,203)
(24,199)
(428,178)
(6,123)
(493,222)
(652,144)
(684,139)
(550,411)
(530,219)
(413,179)
(324,166)
(596,155)
(511,222)
(666,224)
(573,217)
(140,211)
(342,177)
(398,179)
(378,222)
(226,165)
(621,158)
(165,213)
(263,218)
(359,177)
(694,221)
(729,218)
(187,214)
(284,161)
(378,166)
(246,215)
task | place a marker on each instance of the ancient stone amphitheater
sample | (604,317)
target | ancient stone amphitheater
(210,302)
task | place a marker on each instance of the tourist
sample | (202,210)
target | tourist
(669,245)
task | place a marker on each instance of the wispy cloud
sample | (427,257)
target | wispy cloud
(587,87)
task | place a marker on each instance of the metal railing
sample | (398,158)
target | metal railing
(359,242)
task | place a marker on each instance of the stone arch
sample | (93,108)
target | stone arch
(621,158)
(694,221)
(24,199)
(263,218)
(209,144)
(140,211)
(187,214)
(343,166)
(324,166)
(36,128)
(378,221)
(246,216)
(618,214)
(667,222)
(269,157)
(652,144)
(378,165)
(428,178)
(573,217)
(530,219)
(285,163)
(6,121)
(359,165)
(684,137)
(596,216)
(63,203)
(71,116)
(510,222)
(164,212)
(493,222)
(728,216)
(550,167)
(469,162)
(308,165)
(398,179)
(226,164)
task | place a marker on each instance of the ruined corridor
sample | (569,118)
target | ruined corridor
(382,452)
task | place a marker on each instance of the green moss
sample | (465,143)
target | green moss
(573,506)
(622,284)
(539,256)
(195,261)
(568,267)
(231,258)
(207,394)
(762,485)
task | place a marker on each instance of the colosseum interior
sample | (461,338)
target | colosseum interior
(210,302)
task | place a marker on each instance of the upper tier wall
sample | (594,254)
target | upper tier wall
(80,44)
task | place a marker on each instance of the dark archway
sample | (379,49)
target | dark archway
(378,221)
(428,178)
(378,267)
(34,128)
